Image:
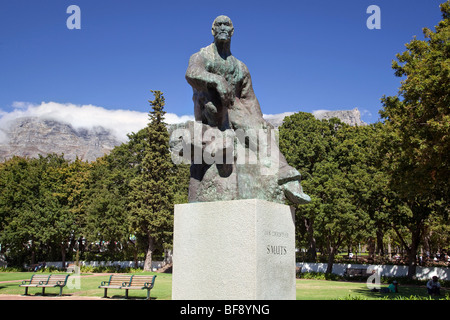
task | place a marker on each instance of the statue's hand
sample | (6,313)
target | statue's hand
(225,93)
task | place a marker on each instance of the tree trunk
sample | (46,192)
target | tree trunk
(412,252)
(371,247)
(426,245)
(134,249)
(389,249)
(149,254)
(81,246)
(33,256)
(331,254)
(63,255)
(312,252)
(380,245)
(135,257)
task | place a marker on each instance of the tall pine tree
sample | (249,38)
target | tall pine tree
(151,194)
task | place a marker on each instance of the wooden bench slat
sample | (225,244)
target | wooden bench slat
(110,287)
(141,281)
(116,280)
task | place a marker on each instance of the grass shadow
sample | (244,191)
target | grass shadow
(405,292)
(130,297)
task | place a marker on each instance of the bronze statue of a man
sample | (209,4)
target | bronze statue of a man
(224,100)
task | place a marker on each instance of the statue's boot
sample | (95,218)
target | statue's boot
(293,191)
(287,173)
(289,180)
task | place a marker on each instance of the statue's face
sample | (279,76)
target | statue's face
(222,29)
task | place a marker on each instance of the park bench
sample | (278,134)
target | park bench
(35,280)
(139,283)
(115,281)
(54,281)
(45,281)
(355,272)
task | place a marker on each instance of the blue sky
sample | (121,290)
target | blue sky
(302,55)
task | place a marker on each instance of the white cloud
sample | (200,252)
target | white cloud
(120,122)
(278,115)
(366,113)
(318,113)
(277,119)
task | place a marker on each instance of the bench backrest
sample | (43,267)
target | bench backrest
(36,278)
(142,281)
(55,278)
(117,280)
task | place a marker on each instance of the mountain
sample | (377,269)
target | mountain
(31,136)
(351,117)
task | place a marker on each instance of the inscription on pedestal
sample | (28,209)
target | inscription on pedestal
(274,248)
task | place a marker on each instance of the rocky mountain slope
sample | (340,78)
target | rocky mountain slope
(351,117)
(29,137)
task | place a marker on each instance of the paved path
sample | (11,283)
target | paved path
(49,297)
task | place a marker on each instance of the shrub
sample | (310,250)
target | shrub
(320,276)
(109,269)
(383,279)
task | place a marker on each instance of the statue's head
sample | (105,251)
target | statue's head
(222,29)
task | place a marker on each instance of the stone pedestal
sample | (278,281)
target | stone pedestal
(234,250)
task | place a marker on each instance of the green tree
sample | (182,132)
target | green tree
(57,228)
(333,159)
(418,119)
(348,190)
(76,185)
(19,191)
(151,194)
(341,171)
(306,142)
(107,220)
(367,182)
(41,206)
(60,203)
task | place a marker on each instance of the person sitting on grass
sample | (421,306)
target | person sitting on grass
(433,286)
(393,287)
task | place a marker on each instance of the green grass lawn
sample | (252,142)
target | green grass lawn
(334,290)
(306,289)
(88,286)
